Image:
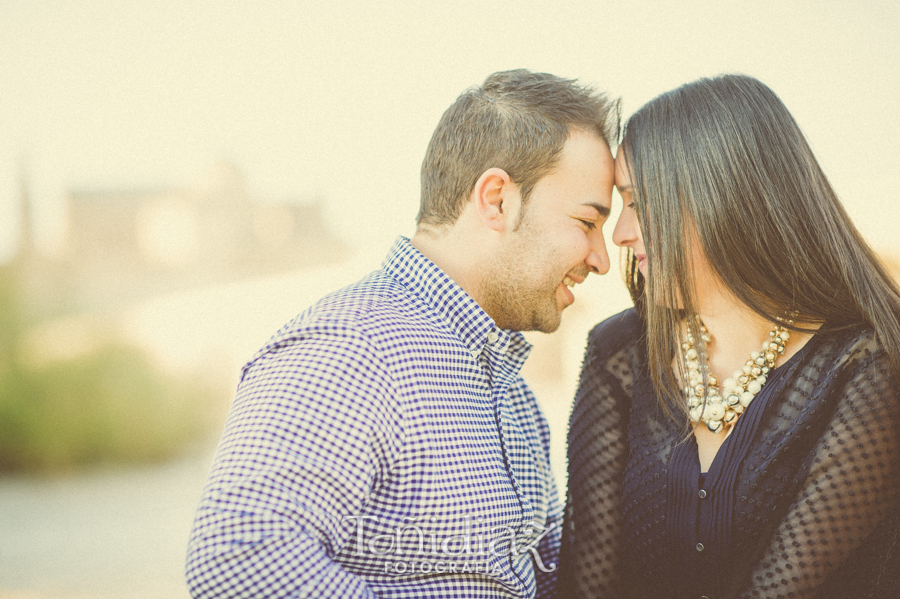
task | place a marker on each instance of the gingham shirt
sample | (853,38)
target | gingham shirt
(382,444)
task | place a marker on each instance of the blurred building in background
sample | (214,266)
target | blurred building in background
(126,245)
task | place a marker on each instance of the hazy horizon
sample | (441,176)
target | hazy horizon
(339,100)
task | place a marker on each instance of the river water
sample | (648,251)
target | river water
(109,533)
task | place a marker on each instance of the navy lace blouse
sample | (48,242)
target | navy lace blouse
(802,500)
(700,506)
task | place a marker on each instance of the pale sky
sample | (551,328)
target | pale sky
(339,98)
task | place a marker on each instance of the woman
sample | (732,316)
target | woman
(737,433)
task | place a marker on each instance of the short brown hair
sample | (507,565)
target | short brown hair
(518,121)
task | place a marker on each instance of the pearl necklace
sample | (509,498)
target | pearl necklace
(722,409)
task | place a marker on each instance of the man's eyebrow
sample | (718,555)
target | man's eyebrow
(600,208)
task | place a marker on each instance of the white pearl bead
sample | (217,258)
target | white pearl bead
(754,355)
(746,369)
(715,411)
(746,398)
(754,387)
(730,383)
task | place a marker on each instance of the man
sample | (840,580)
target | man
(383,444)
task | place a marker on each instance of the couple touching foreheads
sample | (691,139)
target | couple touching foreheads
(735,434)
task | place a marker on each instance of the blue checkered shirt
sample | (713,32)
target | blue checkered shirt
(382,444)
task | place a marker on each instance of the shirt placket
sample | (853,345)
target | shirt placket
(503,371)
(704,546)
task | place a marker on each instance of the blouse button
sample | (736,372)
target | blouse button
(702,493)
(492,337)
(700,547)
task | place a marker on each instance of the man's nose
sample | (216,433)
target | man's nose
(598,259)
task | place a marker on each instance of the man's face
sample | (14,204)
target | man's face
(527,285)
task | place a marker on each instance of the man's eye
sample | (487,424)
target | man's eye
(590,226)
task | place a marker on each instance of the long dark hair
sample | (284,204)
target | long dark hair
(722,163)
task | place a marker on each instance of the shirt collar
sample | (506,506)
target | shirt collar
(456,307)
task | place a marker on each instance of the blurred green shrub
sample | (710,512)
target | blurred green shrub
(111,405)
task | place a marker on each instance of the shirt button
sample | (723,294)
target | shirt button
(702,493)
(700,547)
(703,597)
(492,337)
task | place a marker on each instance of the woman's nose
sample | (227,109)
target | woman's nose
(626,228)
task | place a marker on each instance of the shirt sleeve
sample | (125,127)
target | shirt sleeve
(597,449)
(313,429)
(832,541)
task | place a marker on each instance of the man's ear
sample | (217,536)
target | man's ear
(494,197)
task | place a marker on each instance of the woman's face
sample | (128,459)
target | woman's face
(627,233)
